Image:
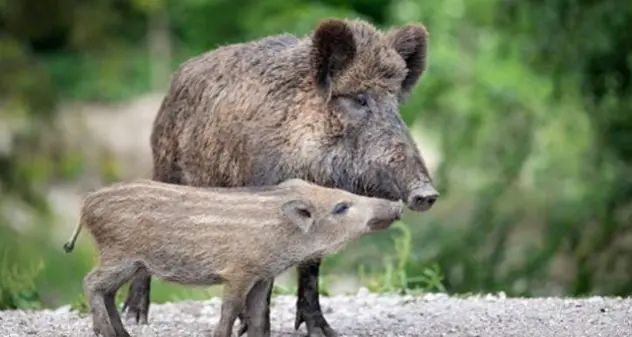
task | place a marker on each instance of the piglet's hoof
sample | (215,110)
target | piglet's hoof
(104,330)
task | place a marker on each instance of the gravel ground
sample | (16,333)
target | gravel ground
(369,315)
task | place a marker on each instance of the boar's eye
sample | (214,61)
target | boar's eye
(361,100)
(340,208)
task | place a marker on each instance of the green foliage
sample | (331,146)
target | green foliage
(278,289)
(395,275)
(80,305)
(17,287)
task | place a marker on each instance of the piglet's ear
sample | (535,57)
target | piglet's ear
(300,213)
(333,48)
(411,42)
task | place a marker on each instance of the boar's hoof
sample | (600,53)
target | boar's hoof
(243,327)
(315,323)
(136,309)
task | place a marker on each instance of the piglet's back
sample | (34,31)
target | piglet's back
(145,213)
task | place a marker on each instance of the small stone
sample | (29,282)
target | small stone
(490,297)
(363,292)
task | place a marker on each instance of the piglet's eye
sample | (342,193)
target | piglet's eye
(340,208)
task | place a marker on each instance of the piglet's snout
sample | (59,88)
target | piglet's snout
(385,214)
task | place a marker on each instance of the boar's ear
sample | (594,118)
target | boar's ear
(333,48)
(411,42)
(300,213)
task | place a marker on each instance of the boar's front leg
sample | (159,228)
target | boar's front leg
(308,305)
(137,302)
(255,317)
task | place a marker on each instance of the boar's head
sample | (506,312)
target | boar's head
(361,76)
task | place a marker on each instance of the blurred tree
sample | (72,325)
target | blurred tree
(590,42)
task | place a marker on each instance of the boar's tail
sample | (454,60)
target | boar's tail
(70,244)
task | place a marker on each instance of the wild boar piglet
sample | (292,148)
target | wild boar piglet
(238,237)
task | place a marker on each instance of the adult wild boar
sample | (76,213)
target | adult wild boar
(323,108)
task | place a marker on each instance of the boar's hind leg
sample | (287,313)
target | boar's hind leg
(137,302)
(100,287)
(166,170)
(256,320)
(307,304)
(233,298)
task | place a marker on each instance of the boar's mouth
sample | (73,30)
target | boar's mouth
(382,184)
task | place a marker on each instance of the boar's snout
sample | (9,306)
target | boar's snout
(422,198)
(385,214)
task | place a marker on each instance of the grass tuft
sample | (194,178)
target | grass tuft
(394,277)
(17,284)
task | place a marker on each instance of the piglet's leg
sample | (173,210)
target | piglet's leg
(115,318)
(257,317)
(233,298)
(100,319)
(100,287)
